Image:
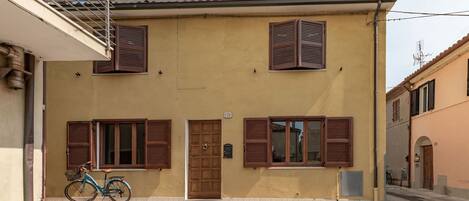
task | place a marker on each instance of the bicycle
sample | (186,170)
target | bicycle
(84,187)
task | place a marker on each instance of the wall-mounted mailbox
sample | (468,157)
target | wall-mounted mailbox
(228,151)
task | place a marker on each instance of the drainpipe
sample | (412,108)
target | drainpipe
(375,101)
(28,150)
(409,156)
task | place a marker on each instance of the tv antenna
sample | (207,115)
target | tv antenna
(419,55)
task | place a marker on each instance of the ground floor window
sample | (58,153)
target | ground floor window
(122,144)
(296,142)
(134,143)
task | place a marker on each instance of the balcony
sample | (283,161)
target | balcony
(58,30)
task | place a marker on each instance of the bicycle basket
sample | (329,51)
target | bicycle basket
(72,175)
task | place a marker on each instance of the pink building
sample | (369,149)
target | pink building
(439,151)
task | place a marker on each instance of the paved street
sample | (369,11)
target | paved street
(396,193)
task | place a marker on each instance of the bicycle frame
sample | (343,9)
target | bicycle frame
(102,189)
(88,178)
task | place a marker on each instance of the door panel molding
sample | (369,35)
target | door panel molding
(203,159)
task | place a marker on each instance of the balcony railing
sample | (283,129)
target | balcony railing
(92,15)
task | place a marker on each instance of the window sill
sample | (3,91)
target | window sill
(296,168)
(118,74)
(292,71)
(122,170)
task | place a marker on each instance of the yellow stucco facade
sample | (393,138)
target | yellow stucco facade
(207,66)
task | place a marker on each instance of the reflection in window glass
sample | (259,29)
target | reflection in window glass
(296,141)
(125,145)
(108,134)
(278,141)
(140,143)
(314,141)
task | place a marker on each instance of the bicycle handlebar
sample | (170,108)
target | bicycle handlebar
(83,166)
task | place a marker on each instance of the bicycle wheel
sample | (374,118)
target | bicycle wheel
(119,190)
(80,191)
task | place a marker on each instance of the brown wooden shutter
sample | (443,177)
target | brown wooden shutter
(131,51)
(311,41)
(283,45)
(431,95)
(339,142)
(398,110)
(79,143)
(256,142)
(414,102)
(468,77)
(158,144)
(105,66)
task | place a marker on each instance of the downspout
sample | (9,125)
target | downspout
(28,151)
(409,156)
(375,102)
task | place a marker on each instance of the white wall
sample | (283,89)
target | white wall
(38,102)
(11,141)
(11,138)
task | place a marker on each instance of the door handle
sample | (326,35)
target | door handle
(205,146)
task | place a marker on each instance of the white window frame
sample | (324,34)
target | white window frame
(423,106)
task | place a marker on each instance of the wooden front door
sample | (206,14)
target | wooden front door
(205,159)
(428,167)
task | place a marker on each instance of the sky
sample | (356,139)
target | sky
(437,33)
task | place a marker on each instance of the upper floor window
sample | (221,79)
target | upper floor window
(130,52)
(423,98)
(297,45)
(396,110)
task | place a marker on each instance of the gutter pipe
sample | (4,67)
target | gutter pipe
(375,102)
(409,156)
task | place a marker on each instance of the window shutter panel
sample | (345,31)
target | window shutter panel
(283,45)
(131,51)
(256,142)
(79,143)
(431,95)
(158,144)
(339,142)
(393,111)
(312,45)
(468,77)
(105,66)
(414,103)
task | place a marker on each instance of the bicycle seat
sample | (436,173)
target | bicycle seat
(106,170)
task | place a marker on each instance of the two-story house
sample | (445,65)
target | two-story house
(33,32)
(229,99)
(397,135)
(439,118)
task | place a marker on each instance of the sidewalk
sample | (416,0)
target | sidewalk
(396,193)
